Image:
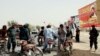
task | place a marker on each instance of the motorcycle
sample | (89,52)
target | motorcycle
(50,45)
(30,49)
(40,40)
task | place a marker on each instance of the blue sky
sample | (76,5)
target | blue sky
(36,12)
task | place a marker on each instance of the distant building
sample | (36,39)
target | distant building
(88,15)
(98,10)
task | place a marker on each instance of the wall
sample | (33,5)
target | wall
(98,10)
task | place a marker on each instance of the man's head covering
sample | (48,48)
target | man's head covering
(93,26)
(48,26)
(61,26)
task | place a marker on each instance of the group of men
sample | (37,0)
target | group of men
(12,32)
(64,34)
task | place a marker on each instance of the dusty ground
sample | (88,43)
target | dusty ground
(83,53)
(82,48)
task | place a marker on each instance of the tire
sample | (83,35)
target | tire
(2,51)
(4,54)
(70,49)
(49,49)
(37,52)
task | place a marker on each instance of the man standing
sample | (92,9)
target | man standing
(48,33)
(41,36)
(24,34)
(77,35)
(12,32)
(93,37)
(3,33)
(62,36)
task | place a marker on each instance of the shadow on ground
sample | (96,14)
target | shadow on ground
(78,42)
(13,54)
(77,52)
